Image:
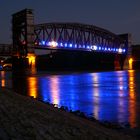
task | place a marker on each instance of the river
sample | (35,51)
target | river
(108,96)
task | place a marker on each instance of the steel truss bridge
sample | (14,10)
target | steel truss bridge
(65,36)
(78,37)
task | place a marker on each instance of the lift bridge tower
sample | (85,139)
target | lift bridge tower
(128,63)
(23,36)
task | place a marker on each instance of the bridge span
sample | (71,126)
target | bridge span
(66,45)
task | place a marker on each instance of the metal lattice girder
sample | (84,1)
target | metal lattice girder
(76,33)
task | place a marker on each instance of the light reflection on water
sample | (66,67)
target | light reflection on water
(54,90)
(3,79)
(132,100)
(32,87)
(110,96)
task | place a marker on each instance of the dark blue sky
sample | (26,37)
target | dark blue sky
(117,16)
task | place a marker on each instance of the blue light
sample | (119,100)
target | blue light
(83,46)
(61,44)
(124,50)
(79,46)
(66,44)
(49,43)
(70,45)
(42,42)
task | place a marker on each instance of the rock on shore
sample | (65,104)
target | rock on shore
(23,118)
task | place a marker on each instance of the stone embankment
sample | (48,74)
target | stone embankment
(23,118)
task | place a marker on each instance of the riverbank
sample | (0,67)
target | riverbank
(25,118)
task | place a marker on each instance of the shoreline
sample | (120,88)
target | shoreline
(24,118)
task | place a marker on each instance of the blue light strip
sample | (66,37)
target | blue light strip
(54,44)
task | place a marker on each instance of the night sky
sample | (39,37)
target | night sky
(117,16)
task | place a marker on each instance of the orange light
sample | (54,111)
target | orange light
(36,43)
(130,60)
(3,82)
(130,63)
(2,61)
(3,78)
(31,58)
(31,62)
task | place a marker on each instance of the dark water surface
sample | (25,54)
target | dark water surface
(109,96)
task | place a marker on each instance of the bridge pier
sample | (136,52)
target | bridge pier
(24,64)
